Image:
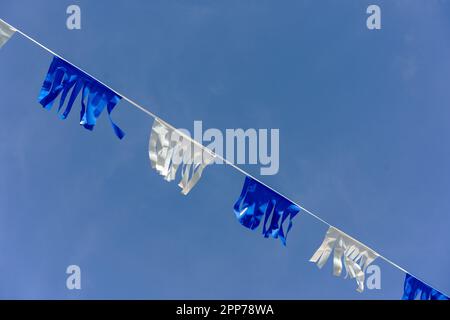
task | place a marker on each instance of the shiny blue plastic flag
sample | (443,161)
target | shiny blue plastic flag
(62,77)
(257,201)
(414,288)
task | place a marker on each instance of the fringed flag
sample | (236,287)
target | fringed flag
(168,149)
(6,32)
(414,288)
(62,77)
(257,201)
(357,257)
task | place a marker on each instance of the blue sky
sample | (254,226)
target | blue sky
(363,118)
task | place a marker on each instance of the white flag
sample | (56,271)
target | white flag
(6,32)
(168,149)
(357,257)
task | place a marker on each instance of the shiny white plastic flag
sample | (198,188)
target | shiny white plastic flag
(6,32)
(357,257)
(168,149)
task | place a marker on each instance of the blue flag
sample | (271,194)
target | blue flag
(257,201)
(414,288)
(62,77)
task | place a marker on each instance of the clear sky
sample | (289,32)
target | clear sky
(364,125)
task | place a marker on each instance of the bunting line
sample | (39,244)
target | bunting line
(212,153)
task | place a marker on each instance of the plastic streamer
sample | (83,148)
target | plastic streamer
(6,32)
(63,78)
(357,257)
(414,288)
(168,149)
(257,201)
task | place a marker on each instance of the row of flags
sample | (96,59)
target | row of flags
(169,149)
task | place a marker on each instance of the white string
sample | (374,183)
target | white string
(212,153)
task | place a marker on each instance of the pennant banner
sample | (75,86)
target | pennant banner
(256,201)
(357,257)
(6,32)
(168,149)
(62,78)
(414,288)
